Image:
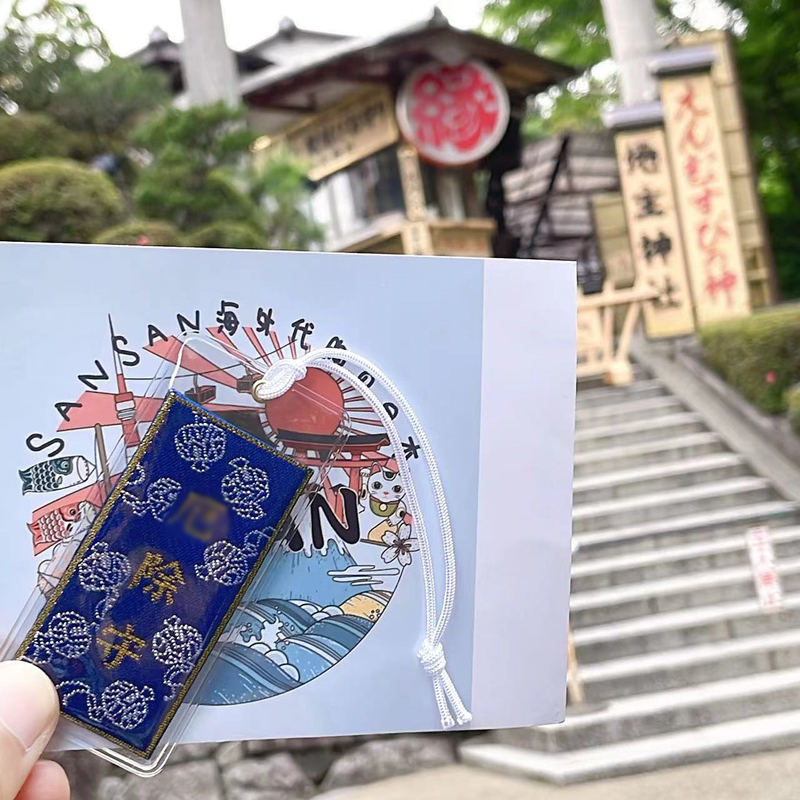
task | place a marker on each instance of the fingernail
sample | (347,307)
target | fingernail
(28,702)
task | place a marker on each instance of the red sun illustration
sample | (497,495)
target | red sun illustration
(314,406)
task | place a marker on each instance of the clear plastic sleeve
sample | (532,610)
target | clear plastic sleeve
(151,589)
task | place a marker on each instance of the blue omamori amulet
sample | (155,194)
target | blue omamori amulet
(156,579)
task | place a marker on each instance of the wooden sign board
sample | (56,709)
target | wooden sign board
(340,136)
(741,167)
(655,231)
(705,198)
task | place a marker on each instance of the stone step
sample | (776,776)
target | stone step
(628,411)
(663,712)
(658,477)
(751,735)
(688,666)
(684,628)
(660,451)
(634,600)
(665,562)
(638,373)
(622,512)
(685,529)
(645,430)
(609,395)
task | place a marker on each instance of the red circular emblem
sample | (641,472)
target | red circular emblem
(453,115)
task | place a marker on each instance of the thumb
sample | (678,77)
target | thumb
(28,716)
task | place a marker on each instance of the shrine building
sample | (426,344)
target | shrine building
(406,136)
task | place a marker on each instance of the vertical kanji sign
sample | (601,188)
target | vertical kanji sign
(655,230)
(705,202)
(765,569)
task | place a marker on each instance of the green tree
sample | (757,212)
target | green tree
(769,67)
(280,188)
(38,49)
(105,104)
(202,175)
(195,154)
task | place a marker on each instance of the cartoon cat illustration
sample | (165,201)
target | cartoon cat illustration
(382,490)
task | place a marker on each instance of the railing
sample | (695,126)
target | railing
(600,351)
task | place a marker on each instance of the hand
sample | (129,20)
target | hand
(28,717)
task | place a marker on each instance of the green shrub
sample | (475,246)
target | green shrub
(150,232)
(56,201)
(24,136)
(759,356)
(793,403)
(237,235)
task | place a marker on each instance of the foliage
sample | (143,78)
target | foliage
(793,404)
(39,49)
(572,31)
(578,107)
(153,232)
(213,136)
(24,136)
(201,175)
(281,189)
(188,198)
(56,201)
(786,246)
(769,67)
(759,356)
(105,104)
(187,183)
(235,235)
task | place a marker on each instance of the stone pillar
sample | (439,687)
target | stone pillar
(631,26)
(209,66)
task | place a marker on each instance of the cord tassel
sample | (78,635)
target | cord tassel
(277,380)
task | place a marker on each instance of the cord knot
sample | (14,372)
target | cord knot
(432,658)
(278,379)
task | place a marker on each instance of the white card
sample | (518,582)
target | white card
(485,352)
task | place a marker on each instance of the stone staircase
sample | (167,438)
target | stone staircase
(678,663)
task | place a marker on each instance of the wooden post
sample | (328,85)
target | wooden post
(416,235)
(574,686)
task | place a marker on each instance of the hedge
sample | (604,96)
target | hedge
(759,356)
(56,201)
(236,235)
(793,402)
(24,136)
(151,232)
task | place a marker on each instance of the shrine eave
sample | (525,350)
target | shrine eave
(387,59)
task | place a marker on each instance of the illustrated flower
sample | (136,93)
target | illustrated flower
(399,546)
(771,376)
